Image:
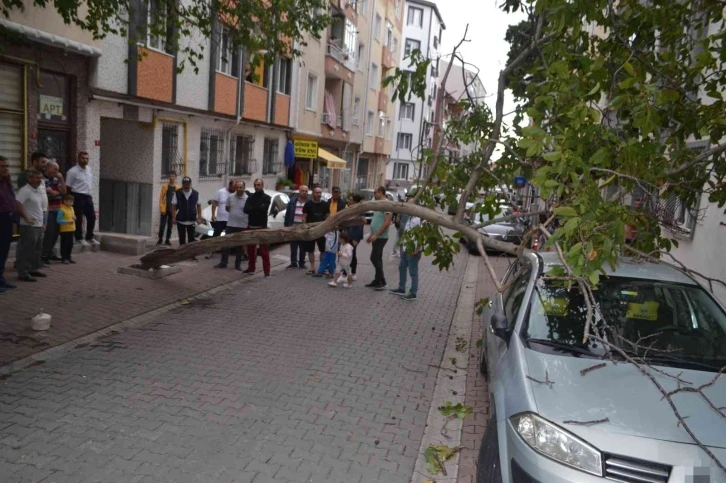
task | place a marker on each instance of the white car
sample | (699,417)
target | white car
(276,216)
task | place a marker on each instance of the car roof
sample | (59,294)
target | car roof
(630,268)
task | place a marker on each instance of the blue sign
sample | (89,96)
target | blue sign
(520,182)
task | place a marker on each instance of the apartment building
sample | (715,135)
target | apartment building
(124,102)
(423,28)
(344,115)
(44,89)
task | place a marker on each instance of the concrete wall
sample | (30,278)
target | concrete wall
(192,90)
(111,72)
(48,20)
(127,151)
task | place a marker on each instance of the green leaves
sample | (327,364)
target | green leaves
(565,211)
(436,457)
(458,411)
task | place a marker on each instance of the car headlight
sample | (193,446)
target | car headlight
(556,443)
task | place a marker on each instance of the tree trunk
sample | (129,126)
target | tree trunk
(347,217)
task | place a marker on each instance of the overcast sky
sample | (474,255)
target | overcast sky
(487,26)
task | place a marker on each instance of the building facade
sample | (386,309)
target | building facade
(344,112)
(423,28)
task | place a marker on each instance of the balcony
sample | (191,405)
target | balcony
(347,8)
(339,64)
(383,100)
(331,127)
(387,59)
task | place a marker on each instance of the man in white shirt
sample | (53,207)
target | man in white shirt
(238,221)
(219,208)
(80,180)
(408,263)
(34,202)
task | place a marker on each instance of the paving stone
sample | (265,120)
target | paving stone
(280,380)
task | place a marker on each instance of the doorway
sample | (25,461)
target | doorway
(55,143)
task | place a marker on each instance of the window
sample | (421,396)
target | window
(400,171)
(515,296)
(408,110)
(228,56)
(373,80)
(270,161)
(389,129)
(395,46)
(356,111)
(158,39)
(311,94)
(389,34)
(436,42)
(369,123)
(211,154)
(415,16)
(362,6)
(404,141)
(351,38)
(361,56)
(244,156)
(411,45)
(171,160)
(284,78)
(381,124)
(377,28)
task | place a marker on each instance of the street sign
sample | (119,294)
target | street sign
(520,181)
(306,149)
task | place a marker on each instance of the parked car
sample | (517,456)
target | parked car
(511,231)
(276,215)
(367,195)
(556,417)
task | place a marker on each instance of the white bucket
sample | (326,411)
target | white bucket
(40,321)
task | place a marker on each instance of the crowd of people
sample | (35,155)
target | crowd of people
(234,209)
(47,207)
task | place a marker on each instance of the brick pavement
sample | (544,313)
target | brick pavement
(477,393)
(90,296)
(282,379)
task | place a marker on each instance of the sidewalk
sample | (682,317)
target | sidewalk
(90,296)
(278,380)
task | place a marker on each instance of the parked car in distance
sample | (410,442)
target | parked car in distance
(511,231)
(367,195)
(276,217)
(567,411)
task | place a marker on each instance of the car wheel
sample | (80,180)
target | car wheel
(473,250)
(489,469)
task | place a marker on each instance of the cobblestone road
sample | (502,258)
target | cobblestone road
(281,380)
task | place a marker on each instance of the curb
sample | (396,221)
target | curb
(61,350)
(450,384)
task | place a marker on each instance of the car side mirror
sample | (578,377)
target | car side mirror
(500,326)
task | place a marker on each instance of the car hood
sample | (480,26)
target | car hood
(630,401)
(501,229)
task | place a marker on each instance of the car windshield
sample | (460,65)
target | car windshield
(366,195)
(484,217)
(673,324)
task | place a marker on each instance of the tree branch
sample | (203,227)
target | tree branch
(704,157)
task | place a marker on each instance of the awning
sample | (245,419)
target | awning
(333,161)
(52,40)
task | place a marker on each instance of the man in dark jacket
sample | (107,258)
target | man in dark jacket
(294,217)
(355,232)
(186,211)
(257,208)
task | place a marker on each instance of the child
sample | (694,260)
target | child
(67,223)
(345,256)
(327,263)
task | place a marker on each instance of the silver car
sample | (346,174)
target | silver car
(567,412)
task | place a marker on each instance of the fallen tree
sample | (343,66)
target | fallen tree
(349,216)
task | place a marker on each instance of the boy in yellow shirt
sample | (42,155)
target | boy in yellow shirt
(67,226)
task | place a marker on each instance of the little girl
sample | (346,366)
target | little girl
(345,256)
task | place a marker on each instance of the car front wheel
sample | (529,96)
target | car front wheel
(489,470)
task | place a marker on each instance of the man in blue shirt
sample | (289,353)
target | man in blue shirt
(378,238)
